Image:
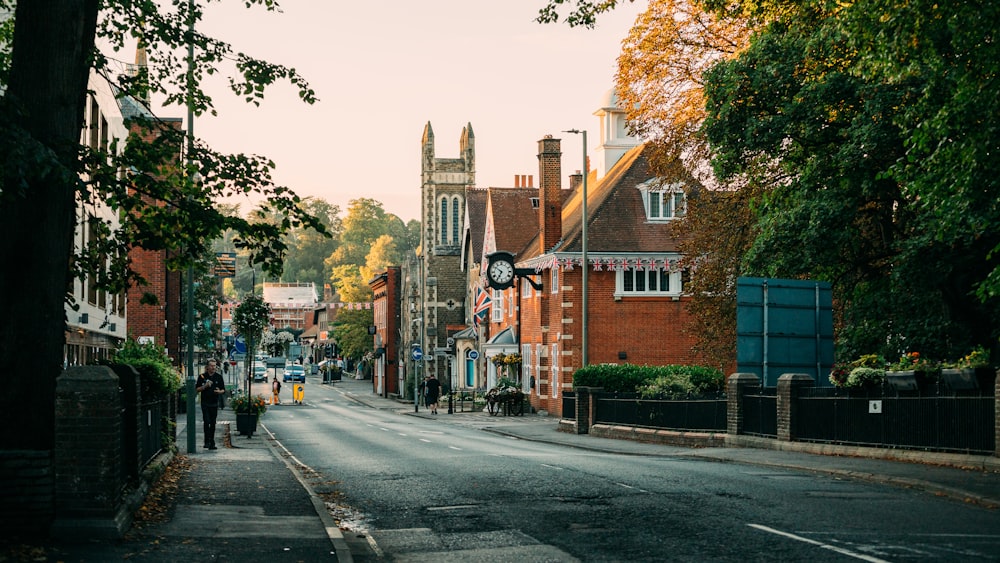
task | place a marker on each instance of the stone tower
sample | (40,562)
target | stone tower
(443,284)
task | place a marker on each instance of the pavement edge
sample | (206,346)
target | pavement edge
(333,532)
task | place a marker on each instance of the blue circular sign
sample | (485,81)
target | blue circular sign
(473,355)
(417,353)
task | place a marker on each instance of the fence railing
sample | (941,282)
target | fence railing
(707,414)
(888,417)
(150,430)
(760,412)
(568,404)
(940,423)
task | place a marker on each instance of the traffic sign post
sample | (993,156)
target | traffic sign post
(417,354)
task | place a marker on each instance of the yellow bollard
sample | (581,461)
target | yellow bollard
(298,393)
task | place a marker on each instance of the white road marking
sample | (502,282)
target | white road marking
(455,448)
(425,440)
(833,548)
(552,466)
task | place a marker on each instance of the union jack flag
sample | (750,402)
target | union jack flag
(482,307)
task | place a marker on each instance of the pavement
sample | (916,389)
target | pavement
(248,501)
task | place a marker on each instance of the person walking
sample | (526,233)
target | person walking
(431,391)
(211,385)
(275,391)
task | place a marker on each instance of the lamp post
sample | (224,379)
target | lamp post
(583,247)
(191,429)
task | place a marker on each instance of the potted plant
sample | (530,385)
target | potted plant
(971,372)
(250,318)
(912,370)
(248,409)
(865,379)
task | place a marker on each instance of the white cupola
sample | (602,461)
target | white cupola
(615,139)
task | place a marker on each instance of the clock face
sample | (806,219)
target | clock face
(501,271)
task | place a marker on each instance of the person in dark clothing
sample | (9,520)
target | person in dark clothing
(211,386)
(432,389)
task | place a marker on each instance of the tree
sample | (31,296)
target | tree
(53,52)
(660,80)
(801,112)
(351,332)
(309,249)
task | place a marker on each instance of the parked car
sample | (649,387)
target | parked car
(294,372)
(259,373)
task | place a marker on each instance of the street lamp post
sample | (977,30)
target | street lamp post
(583,248)
(191,430)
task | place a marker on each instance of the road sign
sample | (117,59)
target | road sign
(417,353)
(225,265)
(473,355)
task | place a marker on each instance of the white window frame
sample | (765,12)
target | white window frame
(538,367)
(554,363)
(496,306)
(663,202)
(526,368)
(554,279)
(640,278)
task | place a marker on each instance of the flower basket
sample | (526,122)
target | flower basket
(247,404)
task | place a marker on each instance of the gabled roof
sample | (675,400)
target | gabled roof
(616,215)
(475,224)
(515,219)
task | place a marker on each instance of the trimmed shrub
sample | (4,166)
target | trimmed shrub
(670,380)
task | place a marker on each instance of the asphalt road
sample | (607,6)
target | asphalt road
(417,489)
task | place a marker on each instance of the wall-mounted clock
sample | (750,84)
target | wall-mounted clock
(500,270)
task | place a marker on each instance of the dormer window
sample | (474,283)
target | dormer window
(662,201)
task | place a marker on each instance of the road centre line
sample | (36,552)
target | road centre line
(833,548)
(455,448)
(425,440)
(553,467)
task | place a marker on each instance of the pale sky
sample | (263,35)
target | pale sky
(382,70)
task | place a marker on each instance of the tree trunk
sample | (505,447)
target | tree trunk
(53,44)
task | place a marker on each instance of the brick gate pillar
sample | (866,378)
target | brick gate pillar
(736,388)
(585,408)
(789,387)
(87,461)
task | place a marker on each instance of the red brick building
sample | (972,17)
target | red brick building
(636,306)
(386,297)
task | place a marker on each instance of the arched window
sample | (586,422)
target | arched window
(454,221)
(444,221)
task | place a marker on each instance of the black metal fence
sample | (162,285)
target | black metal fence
(940,423)
(150,430)
(707,414)
(569,404)
(760,412)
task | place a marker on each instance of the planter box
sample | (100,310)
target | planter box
(970,379)
(246,423)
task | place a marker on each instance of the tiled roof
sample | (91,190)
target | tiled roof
(515,219)
(475,205)
(615,211)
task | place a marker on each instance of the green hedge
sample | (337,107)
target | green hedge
(157,377)
(650,380)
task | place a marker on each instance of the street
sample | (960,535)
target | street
(441,488)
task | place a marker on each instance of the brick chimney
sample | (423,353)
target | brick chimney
(549,192)
(575,180)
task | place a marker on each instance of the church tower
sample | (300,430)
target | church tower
(444,182)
